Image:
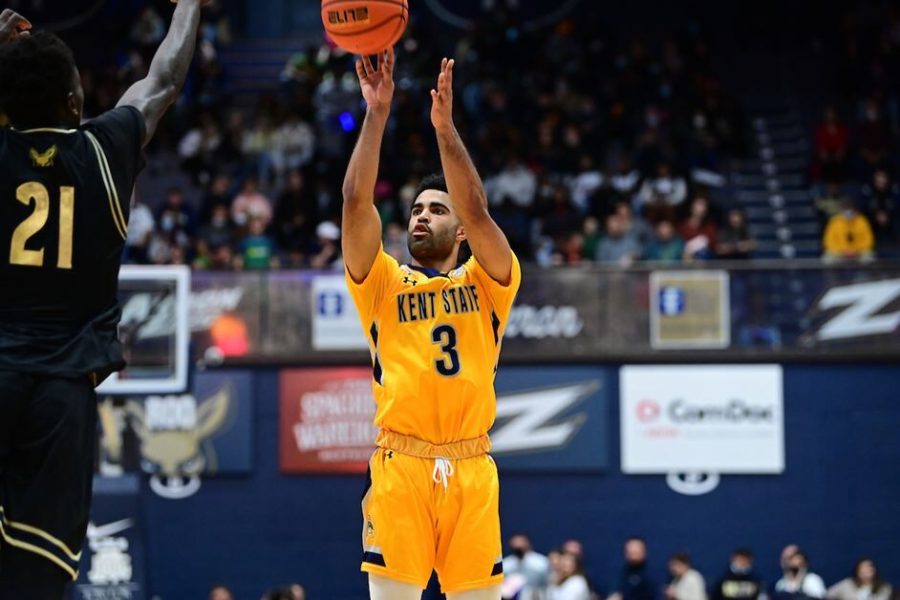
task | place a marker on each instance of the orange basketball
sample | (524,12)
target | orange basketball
(365,26)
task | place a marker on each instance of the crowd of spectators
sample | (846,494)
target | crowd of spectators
(855,168)
(294,591)
(560,575)
(593,147)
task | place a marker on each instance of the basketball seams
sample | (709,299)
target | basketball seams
(403,3)
(398,33)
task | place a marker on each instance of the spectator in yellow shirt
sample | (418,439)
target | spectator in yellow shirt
(848,237)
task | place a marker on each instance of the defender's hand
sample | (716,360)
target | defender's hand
(442,97)
(377,85)
(12,25)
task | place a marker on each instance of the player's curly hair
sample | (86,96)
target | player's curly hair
(435,181)
(35,79)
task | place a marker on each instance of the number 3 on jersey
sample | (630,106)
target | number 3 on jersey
(445,335)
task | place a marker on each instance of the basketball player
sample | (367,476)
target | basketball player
(64,192)
(434,327)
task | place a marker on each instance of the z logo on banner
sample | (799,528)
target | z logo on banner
(862,315)
(529,421)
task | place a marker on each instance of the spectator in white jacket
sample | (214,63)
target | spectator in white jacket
(515,182)
(687,583)
(659,196)
(295,144)
(569,582)
(865,584)
(534,568)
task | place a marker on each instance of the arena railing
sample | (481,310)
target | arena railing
(715,311)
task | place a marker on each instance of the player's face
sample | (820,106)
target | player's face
(434,230)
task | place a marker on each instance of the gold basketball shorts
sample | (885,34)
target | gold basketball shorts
(424,513)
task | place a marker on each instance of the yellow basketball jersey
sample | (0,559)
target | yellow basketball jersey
(435,342)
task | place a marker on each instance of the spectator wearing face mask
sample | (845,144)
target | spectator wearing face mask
(175,216)
(798,581)
(527,571)
(172,235)
(635,583)
(212,236)
(250,203)
(739,582)
(786,555)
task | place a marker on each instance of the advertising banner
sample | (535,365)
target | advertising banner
(689,309)
(179,439)
(548,419)
(552,419)
(335,321)
(326,420)
(703,418)
(112,563)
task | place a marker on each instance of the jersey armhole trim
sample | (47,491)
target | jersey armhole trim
(503,286)
(115,205)
(46,130)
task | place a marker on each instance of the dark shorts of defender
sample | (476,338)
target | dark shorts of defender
(47,443)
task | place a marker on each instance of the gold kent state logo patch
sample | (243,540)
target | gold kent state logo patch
(43,159)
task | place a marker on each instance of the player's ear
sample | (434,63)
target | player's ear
(461,234)
(72,104)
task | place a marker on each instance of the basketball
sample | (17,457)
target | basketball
(365,26)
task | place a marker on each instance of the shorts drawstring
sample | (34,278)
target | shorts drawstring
(443,470)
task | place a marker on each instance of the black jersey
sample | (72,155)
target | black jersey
(64,207)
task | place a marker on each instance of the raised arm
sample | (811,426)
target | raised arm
(154,94)
(361,225)
(488,243)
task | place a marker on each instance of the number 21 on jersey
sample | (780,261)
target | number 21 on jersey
(36,194)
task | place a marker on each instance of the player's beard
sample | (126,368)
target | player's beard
(434,247)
